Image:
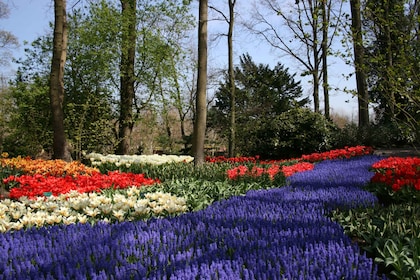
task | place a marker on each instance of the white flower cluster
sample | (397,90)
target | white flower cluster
(74,207)
(97,159)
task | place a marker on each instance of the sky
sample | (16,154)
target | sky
(29,19)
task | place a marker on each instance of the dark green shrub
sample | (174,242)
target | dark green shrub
(292,133)
(380,135)
(348,136)
(390,134)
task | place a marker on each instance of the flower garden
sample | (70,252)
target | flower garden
(343,214)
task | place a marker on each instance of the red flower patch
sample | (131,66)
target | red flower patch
(398,172)
(272,170)
(36,185)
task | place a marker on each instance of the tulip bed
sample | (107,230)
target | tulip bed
(279,231)
(397,179)
(390,232)
(97,159)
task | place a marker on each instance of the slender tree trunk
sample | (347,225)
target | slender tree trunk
(60,147)
(127,76)
(324,46)
(201,99)
(315,77)
(179,108)
(315,71)
(232,136)
(362,93)
(166,118)
(179,104)
(180,111)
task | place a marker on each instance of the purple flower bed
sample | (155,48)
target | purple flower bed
(282,233)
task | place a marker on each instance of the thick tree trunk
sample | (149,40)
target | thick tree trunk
(60,147)
(362,93)
(201,98)
(127,76)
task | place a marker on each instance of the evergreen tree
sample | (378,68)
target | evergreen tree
(261,95)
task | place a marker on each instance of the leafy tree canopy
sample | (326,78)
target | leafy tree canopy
(392,54)
(92,75)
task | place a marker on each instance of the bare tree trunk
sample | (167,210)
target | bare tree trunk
(362,93)
(60,146)
(166,118)
(231,75)
(315,77)
(315,70)
(324,46)
(232,136)
(181,113)
(127,79)
(201,99)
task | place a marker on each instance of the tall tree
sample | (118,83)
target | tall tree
(201,99)
(156,26)
(392,60)
(391,27)
(359,63)
(30,122)
(60,146)
(127,75)
(183,103)
(178,93)
(230,19)
(87,101)
(231,72)
(324,55)
(89,90)
(304,21)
